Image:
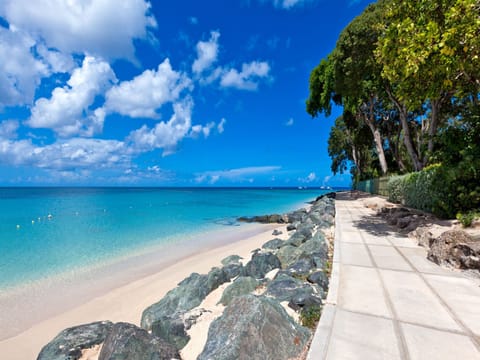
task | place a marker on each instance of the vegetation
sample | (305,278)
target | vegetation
(310,316)
(467,219)
(407,76)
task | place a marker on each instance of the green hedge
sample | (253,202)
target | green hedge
(438,189)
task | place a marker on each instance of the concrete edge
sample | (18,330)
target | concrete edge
(321,338)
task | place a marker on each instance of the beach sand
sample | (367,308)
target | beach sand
(124,302)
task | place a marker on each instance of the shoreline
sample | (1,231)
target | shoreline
(120,294)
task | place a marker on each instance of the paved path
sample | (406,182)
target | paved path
(387,301)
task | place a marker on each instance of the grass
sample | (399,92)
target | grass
(311,316)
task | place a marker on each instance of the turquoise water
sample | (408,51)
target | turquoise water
(49,231)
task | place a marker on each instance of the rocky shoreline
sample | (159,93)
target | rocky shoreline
(265,306)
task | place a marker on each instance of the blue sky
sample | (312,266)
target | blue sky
(165,93)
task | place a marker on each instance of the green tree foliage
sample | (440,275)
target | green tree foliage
(409,72)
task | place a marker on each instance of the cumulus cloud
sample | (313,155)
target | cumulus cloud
(8,129)
(165,135)
(65,111)
(207,53)
(247,78)
(105,28)
(146,93)
(20,71)
(238,175)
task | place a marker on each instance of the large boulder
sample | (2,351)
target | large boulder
(261,264)
(232,259)
(69,343)
(319,278)
(302,266)
(165,318)
(254,328)
(284,287)
(306,230)
(265,219)
(297,216)
(273,244)
(288,255)
(296,239)
(233,270)
(129,342)
(455,248)
(242,286)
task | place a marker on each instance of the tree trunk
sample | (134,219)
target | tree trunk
(378,143)
(407,138)
(432,129)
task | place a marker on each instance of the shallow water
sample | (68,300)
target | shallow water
(50,231)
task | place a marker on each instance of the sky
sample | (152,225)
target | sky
(165,93)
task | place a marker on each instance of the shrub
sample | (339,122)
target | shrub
(310,316)
(466,219)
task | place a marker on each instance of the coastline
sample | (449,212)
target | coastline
(118,295)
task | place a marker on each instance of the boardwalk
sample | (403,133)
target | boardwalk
(387,301)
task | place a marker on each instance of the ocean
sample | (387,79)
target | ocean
(45,232)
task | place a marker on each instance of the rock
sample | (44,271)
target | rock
(233,270)
(297,216)
(306,230)
(277,232)
(261,264)
(190,317)
(288,255)
(241,286)
(265,219)
(284,287)
(69,343)
(304,301)
(273,244)
(254,328)
(315,245)
(319,278)
(232,259)
(291,227)
(128,342)
(164,318)
(423,235)
(454,248)
(296,239)
(303,266)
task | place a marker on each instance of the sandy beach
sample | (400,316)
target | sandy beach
(119,295)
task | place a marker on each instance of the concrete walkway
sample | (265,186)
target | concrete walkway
(387,301)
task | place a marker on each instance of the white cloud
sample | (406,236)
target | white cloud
(146,93)
(310,178)
(221,126)
(20,71)
(102,27)
(65,111)
(165,135)
(247,78)
(238,175)
(8,129)
(207,53)
(290,122)
(288,4)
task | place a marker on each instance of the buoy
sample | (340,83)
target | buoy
(49,216)
(18,226)
(33,222)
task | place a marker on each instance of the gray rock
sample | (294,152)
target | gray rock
(128,342)
(277,232)
(319,278)
(296,239)
(232,259)
(284,287)
(304,301)
(164,318)
(455,248)
(69,343)
(288,255)
(306,230)
(424,237)
(315,245)
(291,227)
(242,286)
(233,270)
(302,266)
(254,328)
(297,216)
(261,264)
(265,219)
(273,244)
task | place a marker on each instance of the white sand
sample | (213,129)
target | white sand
(126,302)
